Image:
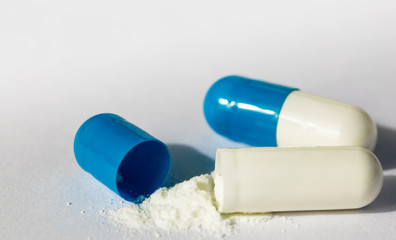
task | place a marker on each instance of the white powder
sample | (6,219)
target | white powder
(188,206)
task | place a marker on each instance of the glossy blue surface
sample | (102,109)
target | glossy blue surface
(122,156)
(245,110)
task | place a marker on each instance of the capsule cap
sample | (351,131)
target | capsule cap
(245,110)
(122,156)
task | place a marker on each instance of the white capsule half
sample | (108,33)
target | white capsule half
(310,120)
(253,180)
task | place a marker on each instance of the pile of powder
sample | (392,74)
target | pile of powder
(188,206)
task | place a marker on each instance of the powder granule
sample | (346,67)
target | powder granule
(189,205)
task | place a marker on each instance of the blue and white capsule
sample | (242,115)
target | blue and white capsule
(264,114)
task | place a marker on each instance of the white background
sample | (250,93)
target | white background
(152,62)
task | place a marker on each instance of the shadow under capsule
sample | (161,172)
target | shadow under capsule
(386,147)
(386,200)
(186,163)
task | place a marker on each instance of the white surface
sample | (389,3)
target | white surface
(296,179)
(309,120)
(151,62)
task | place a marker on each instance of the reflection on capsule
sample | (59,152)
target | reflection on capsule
(264,114)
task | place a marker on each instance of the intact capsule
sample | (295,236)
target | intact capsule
(264,114)
(295,179)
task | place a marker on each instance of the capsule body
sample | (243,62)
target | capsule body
(264,114)
(295,179)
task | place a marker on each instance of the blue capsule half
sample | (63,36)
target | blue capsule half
(125,158)
(245,110)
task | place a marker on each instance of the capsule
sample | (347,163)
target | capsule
(264,114)
(251,180)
